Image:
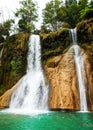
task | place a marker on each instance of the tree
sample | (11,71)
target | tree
(44,29)
(70,14)
(56,13)
(50,15)
(27,15)
(82,4)
(5,27)
(91,4)
(87,13)
(69,2)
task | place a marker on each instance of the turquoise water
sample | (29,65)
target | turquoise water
(48,121)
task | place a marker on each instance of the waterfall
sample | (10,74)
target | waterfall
(79,62)
(1,52)
(32,93)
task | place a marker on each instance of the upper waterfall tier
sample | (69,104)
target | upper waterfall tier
(73,33)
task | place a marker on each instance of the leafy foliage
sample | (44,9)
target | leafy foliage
(86,13)
(69,2)
(71,14)
(50,15)
(27,14)
(91,4)
(5,27)
(56,13)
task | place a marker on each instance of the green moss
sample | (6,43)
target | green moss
(2,89)
(85,31)
(54,43)
(14,60)
(87,47)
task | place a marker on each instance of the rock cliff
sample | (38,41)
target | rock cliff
(6,97)
(13,61)
(62,76)
(59,67)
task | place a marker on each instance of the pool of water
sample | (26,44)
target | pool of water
(47,121)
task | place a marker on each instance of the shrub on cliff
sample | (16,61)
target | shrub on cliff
(87,13)
(85,31)
(5,28)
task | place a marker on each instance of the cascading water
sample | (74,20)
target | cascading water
(1,52)
(32,93)
(79,62)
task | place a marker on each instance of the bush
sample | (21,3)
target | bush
(87,13)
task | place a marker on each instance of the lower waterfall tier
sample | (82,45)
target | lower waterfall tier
(61,74)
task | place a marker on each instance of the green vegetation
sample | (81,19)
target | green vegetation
(56,13)
(55,40)
(85,31)
(14,60)
(28,15)
(54,43)
(5,28)
(87,13)
(51,15)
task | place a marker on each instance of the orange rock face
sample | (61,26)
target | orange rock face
(89,82)
(6,97)
(64,90)
(63,83)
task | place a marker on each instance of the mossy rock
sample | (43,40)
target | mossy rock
(54,43)
(85,31)
(14,60)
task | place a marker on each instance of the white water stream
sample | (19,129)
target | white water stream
(1,52)
(32,93)
(79,62)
